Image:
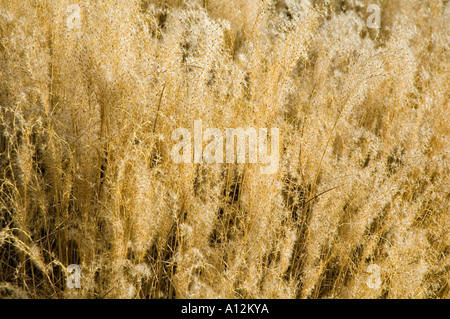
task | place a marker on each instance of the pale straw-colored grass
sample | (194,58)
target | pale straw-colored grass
(87,108)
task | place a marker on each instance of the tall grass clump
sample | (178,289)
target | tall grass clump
(91,91)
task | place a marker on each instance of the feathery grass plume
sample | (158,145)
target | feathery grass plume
(90,93)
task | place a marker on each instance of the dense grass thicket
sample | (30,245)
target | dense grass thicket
(91,91)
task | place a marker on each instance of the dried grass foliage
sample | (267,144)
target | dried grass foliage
(86,176)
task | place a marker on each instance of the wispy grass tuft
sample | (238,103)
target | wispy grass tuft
(88,103)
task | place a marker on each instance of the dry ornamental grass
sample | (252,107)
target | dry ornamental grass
(91,92)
